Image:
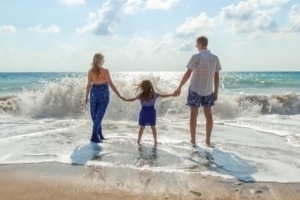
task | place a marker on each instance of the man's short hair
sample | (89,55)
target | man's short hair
(202,40)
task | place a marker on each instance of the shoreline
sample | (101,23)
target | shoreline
(63,181)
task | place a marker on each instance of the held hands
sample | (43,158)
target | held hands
(177,92)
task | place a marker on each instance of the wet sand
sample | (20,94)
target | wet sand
(59,181)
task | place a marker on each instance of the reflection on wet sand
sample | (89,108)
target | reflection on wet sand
(147,156)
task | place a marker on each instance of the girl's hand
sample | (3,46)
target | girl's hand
(86,100)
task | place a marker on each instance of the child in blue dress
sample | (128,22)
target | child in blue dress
(147,97)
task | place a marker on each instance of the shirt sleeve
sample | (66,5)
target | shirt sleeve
(192,64)
(218,67)
(156,95)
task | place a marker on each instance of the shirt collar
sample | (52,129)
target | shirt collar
(204,50)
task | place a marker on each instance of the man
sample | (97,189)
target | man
(205,68)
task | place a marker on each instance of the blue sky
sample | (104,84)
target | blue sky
(148,35)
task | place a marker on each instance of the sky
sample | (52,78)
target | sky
(148,35)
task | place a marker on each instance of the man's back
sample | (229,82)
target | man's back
(204,65)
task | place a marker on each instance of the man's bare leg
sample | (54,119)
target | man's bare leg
(193,123)
(140,134)
(209,123)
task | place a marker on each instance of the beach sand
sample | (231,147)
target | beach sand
(60,181)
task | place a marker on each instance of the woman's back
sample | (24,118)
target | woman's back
(100,78)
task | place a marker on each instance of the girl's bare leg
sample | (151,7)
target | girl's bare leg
(140,134)
(154,134)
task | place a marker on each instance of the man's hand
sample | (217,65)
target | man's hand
(177,92)
(215,96)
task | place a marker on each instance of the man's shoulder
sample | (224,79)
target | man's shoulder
(214,56)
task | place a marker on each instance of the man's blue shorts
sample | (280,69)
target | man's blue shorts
(195,100)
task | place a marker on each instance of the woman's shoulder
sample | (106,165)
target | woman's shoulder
(104,70)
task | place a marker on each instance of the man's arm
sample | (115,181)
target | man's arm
(184,79)
(216,83)
(216,79)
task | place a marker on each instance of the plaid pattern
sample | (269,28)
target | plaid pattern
(194,100)
(204,65)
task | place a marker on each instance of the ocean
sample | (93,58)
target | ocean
(43,119)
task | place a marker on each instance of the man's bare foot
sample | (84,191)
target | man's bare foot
(207,142)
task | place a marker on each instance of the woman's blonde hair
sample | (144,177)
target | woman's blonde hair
(98,57)
(146,90)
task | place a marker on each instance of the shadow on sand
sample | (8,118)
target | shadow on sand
(227,163)
(82,154)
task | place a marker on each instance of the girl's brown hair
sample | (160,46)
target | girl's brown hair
(98,57)
(147,90)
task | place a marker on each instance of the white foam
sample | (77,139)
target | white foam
(256,135)
(241,153)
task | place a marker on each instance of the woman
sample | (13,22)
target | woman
(97,86)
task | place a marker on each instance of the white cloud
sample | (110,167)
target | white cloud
(266,23)
(294,18)
(105,20)
(7,29)
(161,4)
(92,16)
(51,29)
(73,2)
(187,46)
(131,6)
(166,40)
(252,16)
(193,25)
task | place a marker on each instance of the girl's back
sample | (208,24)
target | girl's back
(150,102)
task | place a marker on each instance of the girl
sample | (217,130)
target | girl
(98,81)
(147,97)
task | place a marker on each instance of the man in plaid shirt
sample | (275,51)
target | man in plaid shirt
(204,68)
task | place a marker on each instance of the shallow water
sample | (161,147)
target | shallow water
(255,134)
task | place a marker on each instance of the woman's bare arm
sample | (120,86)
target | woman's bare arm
(88,87)
(111,84)
(132,99)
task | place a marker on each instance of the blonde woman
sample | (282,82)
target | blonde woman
(97,86)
